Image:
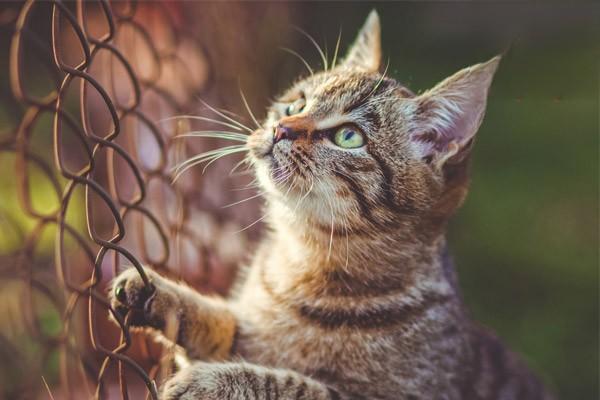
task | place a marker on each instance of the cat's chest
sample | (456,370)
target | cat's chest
(274,333)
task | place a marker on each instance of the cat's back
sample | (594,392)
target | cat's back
(497,372)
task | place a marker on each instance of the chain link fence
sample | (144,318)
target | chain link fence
(89,157)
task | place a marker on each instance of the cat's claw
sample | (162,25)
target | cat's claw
(129,294)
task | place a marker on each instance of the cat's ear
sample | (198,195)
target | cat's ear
(365,52)
(448,116)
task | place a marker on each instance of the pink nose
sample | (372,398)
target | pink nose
(284,132)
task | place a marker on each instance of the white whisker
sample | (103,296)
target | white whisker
(326,55)
(210,153)
(331,234)
(312,184)
(246,187)
(209,157)
(249,110)
(347,243)
(214,134)
(378,82)
(314,42)
(331,211)
(219,156)
(337,48)
(223,115)
(228,112)
(244,160)
(250,185)
(242,173)
(244,200)
(252,224)
(200,118)
(344,221)
(306,64)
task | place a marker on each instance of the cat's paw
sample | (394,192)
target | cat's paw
(199,381)
(241,381)
(146,305)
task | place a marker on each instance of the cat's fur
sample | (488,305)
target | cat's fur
(351,294)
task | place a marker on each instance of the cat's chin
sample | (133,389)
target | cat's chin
(292,191)
(274,182)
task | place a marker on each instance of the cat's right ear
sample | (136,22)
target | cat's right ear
(448,116)
(365,52)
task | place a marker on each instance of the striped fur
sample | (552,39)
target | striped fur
(351,294)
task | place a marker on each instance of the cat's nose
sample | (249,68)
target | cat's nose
(284,132)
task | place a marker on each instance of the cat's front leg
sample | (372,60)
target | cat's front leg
(241,381)
(202,325)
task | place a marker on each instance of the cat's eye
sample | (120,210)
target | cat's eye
(296,107)
(348,137)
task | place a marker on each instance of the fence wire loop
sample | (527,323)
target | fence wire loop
(104,66)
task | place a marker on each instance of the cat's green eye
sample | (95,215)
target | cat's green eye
(296,107)
(348,137)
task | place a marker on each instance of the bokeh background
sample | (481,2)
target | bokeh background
(526,240)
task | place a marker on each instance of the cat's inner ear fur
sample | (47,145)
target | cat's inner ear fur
(448,116)
(365,52)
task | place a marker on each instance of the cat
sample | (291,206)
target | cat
(351,293)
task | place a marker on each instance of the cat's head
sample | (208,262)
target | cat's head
(355,147)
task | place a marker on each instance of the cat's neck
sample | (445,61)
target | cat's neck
(335,260)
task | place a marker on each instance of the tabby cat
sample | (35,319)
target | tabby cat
(351,294)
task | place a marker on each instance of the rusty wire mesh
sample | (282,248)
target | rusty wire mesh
(103,76)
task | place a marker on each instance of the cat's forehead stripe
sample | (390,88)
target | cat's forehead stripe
(354,91)
(352,106)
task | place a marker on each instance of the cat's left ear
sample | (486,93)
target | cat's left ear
(448,116)
(365,52)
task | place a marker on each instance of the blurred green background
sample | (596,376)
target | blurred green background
(526,241)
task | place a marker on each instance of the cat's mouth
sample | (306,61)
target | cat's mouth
(286,165)
(289,165)
(276,169)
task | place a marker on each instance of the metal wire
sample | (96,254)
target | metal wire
(112,80)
